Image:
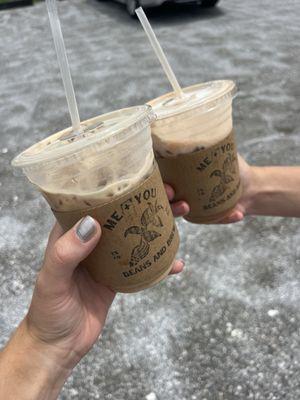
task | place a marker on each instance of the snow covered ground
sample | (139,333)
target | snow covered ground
(228,327)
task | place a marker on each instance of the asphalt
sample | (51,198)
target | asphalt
(228,327)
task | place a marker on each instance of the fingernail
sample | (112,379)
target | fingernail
(86,229)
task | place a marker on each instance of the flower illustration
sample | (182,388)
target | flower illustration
(223,175)
(149,217)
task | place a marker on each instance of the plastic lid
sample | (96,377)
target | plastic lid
(207,95)
(111,127)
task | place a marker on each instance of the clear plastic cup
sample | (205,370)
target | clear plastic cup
(195,148)
(108,171)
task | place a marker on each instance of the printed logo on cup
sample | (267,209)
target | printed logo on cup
(224,178)
(149,217)
(208,179)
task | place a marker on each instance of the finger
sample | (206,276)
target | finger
(177,267)
(180,208)
(235,216)
(63,255)
(170,192)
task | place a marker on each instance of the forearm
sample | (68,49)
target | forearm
(27,370)
(275,191)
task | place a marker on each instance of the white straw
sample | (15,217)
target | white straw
(159,51)
(63,63)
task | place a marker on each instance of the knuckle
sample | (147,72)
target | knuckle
(60,254)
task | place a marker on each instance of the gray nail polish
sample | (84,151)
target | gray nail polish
(86,229)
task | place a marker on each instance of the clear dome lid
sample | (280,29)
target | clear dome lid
(205,95)
(104,131)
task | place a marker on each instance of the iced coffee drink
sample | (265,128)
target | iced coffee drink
(107,170)
(195,148)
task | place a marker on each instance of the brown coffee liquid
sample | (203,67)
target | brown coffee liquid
(106,188)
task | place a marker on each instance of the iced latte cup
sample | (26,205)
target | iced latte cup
(195,148)
(108,171)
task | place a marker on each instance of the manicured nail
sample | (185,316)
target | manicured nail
(182,262)
(86,229)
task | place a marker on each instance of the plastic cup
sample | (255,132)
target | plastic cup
(108,171)
(195,148)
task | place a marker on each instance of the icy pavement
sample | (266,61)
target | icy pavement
(228,327)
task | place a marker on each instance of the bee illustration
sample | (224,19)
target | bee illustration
(223,175)
(149,217)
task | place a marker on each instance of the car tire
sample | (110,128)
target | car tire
(131,6)
(209,3)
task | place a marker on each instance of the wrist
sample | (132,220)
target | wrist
(259,190)
(254,190)
(30,368)
(274,191)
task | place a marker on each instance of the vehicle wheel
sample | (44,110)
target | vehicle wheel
(209,3)
(131,6)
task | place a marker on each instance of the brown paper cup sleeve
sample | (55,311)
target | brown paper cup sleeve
(207,179)
(139,237)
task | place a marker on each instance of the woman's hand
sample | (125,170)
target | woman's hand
(268,191)
(68,308)
(65,318)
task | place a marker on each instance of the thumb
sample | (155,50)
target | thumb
(64,253)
